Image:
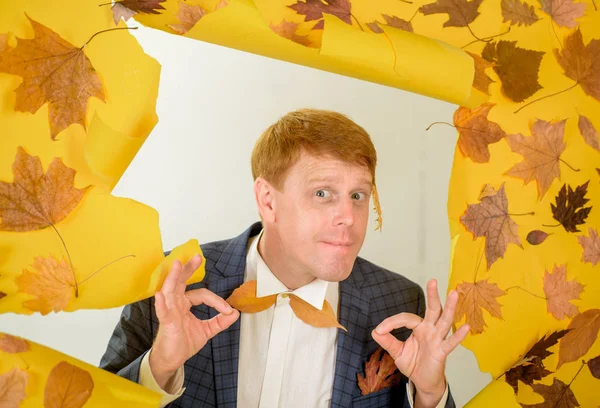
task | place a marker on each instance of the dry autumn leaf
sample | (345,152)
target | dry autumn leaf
(3,42)
(121,12)
(536,237)
(589,133)
(518,13)
(129,8)
(541,154)
(569,209)
(563,12)
(560,292)
(476,132)
(287,29)
(581,62)
(481,80)
(188,16)
(487,191)
(12,344)
(490,219)
(313,10)
(52,285)
(380,372)
(517,68)
(313,316)
(594,366)
(531,367)
(53,71)
(2,295)
(557,395)
(583,333)
(244,299)
(473,298)
(12,388)
(591,247)
(391,21)
(460,12)
(68,386)
(35,200)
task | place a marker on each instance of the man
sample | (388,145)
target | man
(314,174)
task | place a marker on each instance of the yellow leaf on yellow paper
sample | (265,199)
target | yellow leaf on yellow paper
(313,316)
(12,344)
(12,388)
(68,386)
(53,71)
(244,299)
(473,298)
(35,200)
(52,284)
(188,16)
(560,292)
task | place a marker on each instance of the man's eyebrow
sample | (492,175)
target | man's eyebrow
(326,179)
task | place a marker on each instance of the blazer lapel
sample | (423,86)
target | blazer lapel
(354,315)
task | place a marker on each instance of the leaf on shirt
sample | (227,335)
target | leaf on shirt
(12,344)
(380,372)
(473,298)
(584,332)
(313,316)
(12,388)
(244,299)
(560,292)
(68,386)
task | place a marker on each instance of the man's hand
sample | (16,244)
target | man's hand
(422,357)
(180,333)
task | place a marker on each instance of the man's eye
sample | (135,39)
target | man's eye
(322,193)
(358,196)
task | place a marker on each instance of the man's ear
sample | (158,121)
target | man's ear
(265,199)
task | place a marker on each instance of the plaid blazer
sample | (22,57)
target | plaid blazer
(367,296)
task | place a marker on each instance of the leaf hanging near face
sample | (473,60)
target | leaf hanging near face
(481,80)
(563,12)
(591,247)
(557,395)
(188,16)
(12,388)
(473,299)
(12,344)
(560,292)
(244,299)
(380,372)
(518,13)
(287,29)
(589,133)
(313,316)
(377,205)
(460,12)
(68,386)
(569,209)
(477,132)
(583,333)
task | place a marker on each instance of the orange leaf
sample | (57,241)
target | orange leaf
(541,154)
(473,298)
(563,12)
(287,29)
(11,344)
(490,219)
(53,71)
(313,316)
(3,42)
(584,331)
(188,16)
(12,388)
(591,247)
(476,132)
(560,292)
(518,13)
(68,386)
(517,68)
(557,395)
(481,80)
(35,200)
(581,62)
(52,285)
(244,299)
(380,372)
(460,12)
(589,133)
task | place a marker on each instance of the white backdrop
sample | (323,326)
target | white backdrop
(194,169)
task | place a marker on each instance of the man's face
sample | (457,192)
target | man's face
(321,215)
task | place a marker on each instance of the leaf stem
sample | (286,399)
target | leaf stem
(26,363)
(439,123)
(357,22)
(410,2)
(105,31)
(547,96)
(552,226)
(70,262)
(594,3)
(519,215)
(525,290)
(108,264)
(569,166)
(583,363)
(487,39)
(106,4)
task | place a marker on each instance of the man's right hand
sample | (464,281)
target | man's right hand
(180,333)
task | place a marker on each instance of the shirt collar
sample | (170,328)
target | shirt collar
(267,283)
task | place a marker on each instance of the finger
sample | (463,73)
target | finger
(205,296)
(220,322)
(160,306)
(434,306)
(187,271)
(453,341)
(408,320)
(171,281)
(389,343)
(445,322)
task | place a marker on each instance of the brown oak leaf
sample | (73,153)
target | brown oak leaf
(12,344)
(589,133)
(380,372)
(563,12)
(591,247)
(188,16)
(569,209)
(473,298)
(391,21)
(35,200)
(531,367)
(12,388)
(481,80)
(583,333)
(536,237)
(477,132)
(490,219)
(518,13)
(517,68)
(541,154)
(460,12)
(287,29)
(53,71)
(313,10)
(581,62)
(557,395)
(67,386)
(594,366)
(52,285)
(560,292)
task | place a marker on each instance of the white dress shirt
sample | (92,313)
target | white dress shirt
(283,362)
